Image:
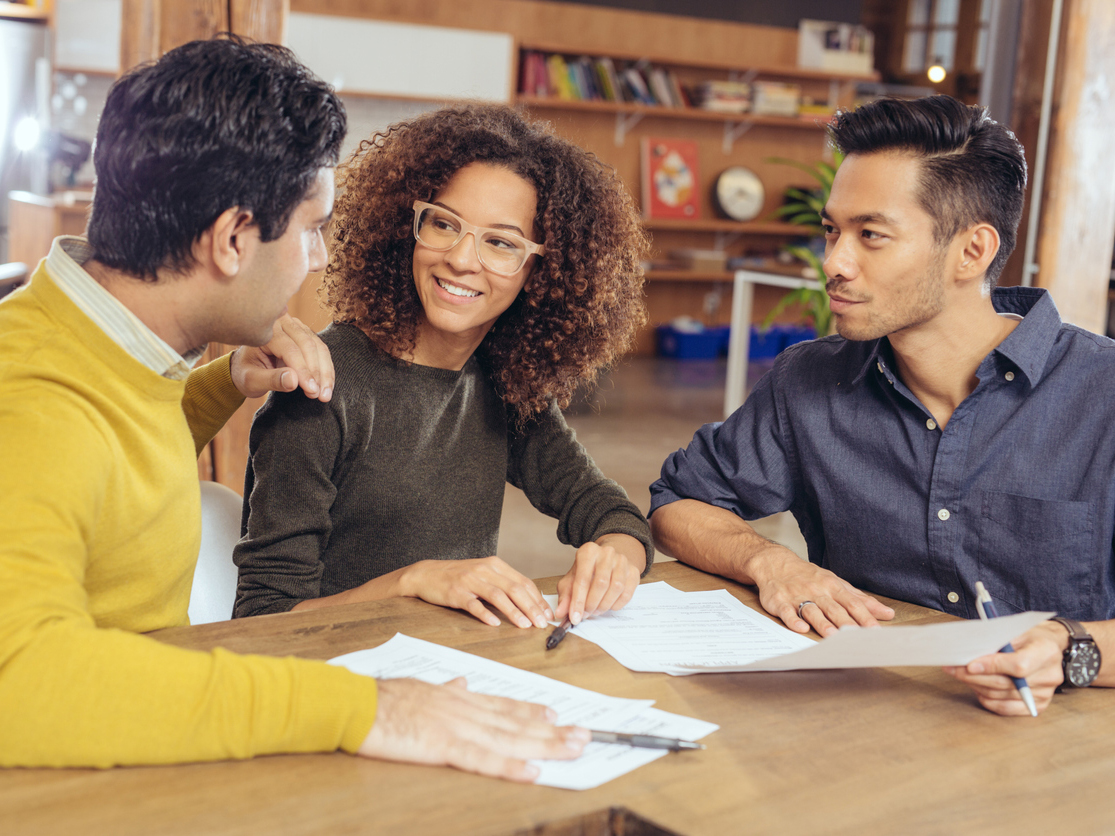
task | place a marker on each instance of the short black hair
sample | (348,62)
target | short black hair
(973,169)
(211,125)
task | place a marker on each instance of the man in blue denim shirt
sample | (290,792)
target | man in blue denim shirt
(951,433)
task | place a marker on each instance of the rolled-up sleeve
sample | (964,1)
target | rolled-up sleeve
(741,464)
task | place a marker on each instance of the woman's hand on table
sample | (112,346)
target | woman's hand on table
(604,576)
(467,584)
(448,725)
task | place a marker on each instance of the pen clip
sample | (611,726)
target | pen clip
(983,598)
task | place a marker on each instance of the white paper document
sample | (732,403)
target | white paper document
(952,643)
(666,630)
(404,656)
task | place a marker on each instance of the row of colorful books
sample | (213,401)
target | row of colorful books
(599,79)
(603,79)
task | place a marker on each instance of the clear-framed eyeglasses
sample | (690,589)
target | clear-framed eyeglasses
(500,251)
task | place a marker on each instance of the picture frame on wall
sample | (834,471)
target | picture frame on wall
(670,178)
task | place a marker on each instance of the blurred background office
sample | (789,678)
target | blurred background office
(1043,67)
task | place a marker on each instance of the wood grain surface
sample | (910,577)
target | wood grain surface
(867,751)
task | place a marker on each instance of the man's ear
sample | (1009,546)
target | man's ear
(228,241)
(980,246)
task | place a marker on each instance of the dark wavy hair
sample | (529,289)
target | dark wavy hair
(210,126)
(581,305)
(973,169)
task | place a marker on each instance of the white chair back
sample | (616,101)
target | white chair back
(214,589)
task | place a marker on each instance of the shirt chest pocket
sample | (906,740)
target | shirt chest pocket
(1038,554)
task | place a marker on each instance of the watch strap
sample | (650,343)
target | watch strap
(1075,628)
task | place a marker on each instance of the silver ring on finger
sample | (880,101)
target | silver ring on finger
(801,606)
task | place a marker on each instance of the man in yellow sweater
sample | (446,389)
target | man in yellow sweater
(214,182)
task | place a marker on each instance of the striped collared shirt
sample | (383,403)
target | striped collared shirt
(64,263)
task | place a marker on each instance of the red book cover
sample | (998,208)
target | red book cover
(670,179)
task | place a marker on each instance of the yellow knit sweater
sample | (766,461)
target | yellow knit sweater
(99,533)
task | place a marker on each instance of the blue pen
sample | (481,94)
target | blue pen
(986,608)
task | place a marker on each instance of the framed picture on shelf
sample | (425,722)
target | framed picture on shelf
(670,178)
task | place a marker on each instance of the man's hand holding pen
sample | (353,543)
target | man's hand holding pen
(1037,658)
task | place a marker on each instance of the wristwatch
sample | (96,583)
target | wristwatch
(1081,661)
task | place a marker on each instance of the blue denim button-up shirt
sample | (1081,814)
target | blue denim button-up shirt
(1017,491)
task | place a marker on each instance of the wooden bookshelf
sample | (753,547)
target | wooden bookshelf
(718,225)
(780,72)
(807,121)
(612,129)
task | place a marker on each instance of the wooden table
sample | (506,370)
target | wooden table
(864,751)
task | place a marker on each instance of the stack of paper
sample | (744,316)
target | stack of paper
(666,630)
(681,633)
(404,656)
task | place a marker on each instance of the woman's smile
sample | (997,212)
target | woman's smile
(461,298)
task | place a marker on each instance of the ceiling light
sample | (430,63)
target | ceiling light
(27,133)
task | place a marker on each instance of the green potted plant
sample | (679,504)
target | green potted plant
(803,208)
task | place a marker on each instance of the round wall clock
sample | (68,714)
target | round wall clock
(738,193)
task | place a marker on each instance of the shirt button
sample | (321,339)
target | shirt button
(953,597)
(1009,376)
(878,365)
(943,514)
(931,424)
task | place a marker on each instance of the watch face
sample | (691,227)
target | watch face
(1083,665)
(739,193)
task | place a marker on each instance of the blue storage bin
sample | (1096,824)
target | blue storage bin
(685,345)
(713,342)
(797,334)
(770,343)
(764,344)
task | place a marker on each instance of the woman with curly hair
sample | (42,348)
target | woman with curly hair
(481,270)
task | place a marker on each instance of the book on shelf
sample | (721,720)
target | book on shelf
(723,96)
(606,69)
(811,109)
(560,83)
(680,94)
(775,98)
(637,84)
(598,79)
(587,83)
(670,178)
(662,88)
(533,75)
(580,91)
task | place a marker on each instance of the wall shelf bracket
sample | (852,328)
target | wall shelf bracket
(624,123)
(733,131)
(723,240)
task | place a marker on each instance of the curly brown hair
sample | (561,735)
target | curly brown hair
(581,305)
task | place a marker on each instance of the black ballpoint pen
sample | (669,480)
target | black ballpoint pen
(555,637)
(645,741)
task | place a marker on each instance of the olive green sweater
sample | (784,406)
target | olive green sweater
(405,463)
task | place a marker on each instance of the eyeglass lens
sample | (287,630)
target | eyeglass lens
(441,230)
